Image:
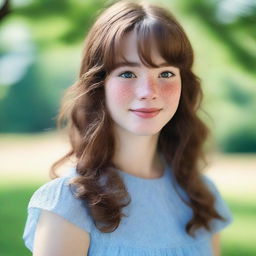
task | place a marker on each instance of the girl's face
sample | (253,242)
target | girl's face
(133,86)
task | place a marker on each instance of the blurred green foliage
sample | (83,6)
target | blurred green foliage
(47,37)
(14,214)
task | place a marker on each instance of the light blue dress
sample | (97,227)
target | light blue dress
(155,224)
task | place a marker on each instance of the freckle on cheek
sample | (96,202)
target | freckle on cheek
(120,94)
(171,91)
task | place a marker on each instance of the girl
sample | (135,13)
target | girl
(136,187)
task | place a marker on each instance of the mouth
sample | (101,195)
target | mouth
(144,110)
(145,113)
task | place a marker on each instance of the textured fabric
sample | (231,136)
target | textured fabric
(155,224)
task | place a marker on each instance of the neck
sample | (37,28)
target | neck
(138,155)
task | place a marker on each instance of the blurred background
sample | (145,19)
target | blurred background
(40,52)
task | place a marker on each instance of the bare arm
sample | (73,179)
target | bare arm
(56,236)
(216,244)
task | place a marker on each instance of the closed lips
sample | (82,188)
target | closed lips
(146,110)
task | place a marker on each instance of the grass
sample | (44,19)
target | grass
(239,238)
(13,214)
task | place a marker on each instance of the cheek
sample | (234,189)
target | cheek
(118,94)
(171,91)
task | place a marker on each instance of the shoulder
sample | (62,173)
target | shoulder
(220,204)
(56,196)
(52,193)
(209,183)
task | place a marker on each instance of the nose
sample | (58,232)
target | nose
(147,88)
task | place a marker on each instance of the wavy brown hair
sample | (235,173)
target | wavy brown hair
(84,114)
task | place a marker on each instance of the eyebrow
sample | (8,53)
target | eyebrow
(136,64)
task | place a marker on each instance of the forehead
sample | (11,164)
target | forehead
(129,50)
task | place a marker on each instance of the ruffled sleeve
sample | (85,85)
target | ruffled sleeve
(56,196)
(221,206)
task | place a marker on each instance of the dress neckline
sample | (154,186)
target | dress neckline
(134,177)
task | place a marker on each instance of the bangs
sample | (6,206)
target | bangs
(151,33)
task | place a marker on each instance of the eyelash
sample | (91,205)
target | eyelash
(120,75)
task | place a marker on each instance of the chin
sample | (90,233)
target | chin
(140,130)
(145,132)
